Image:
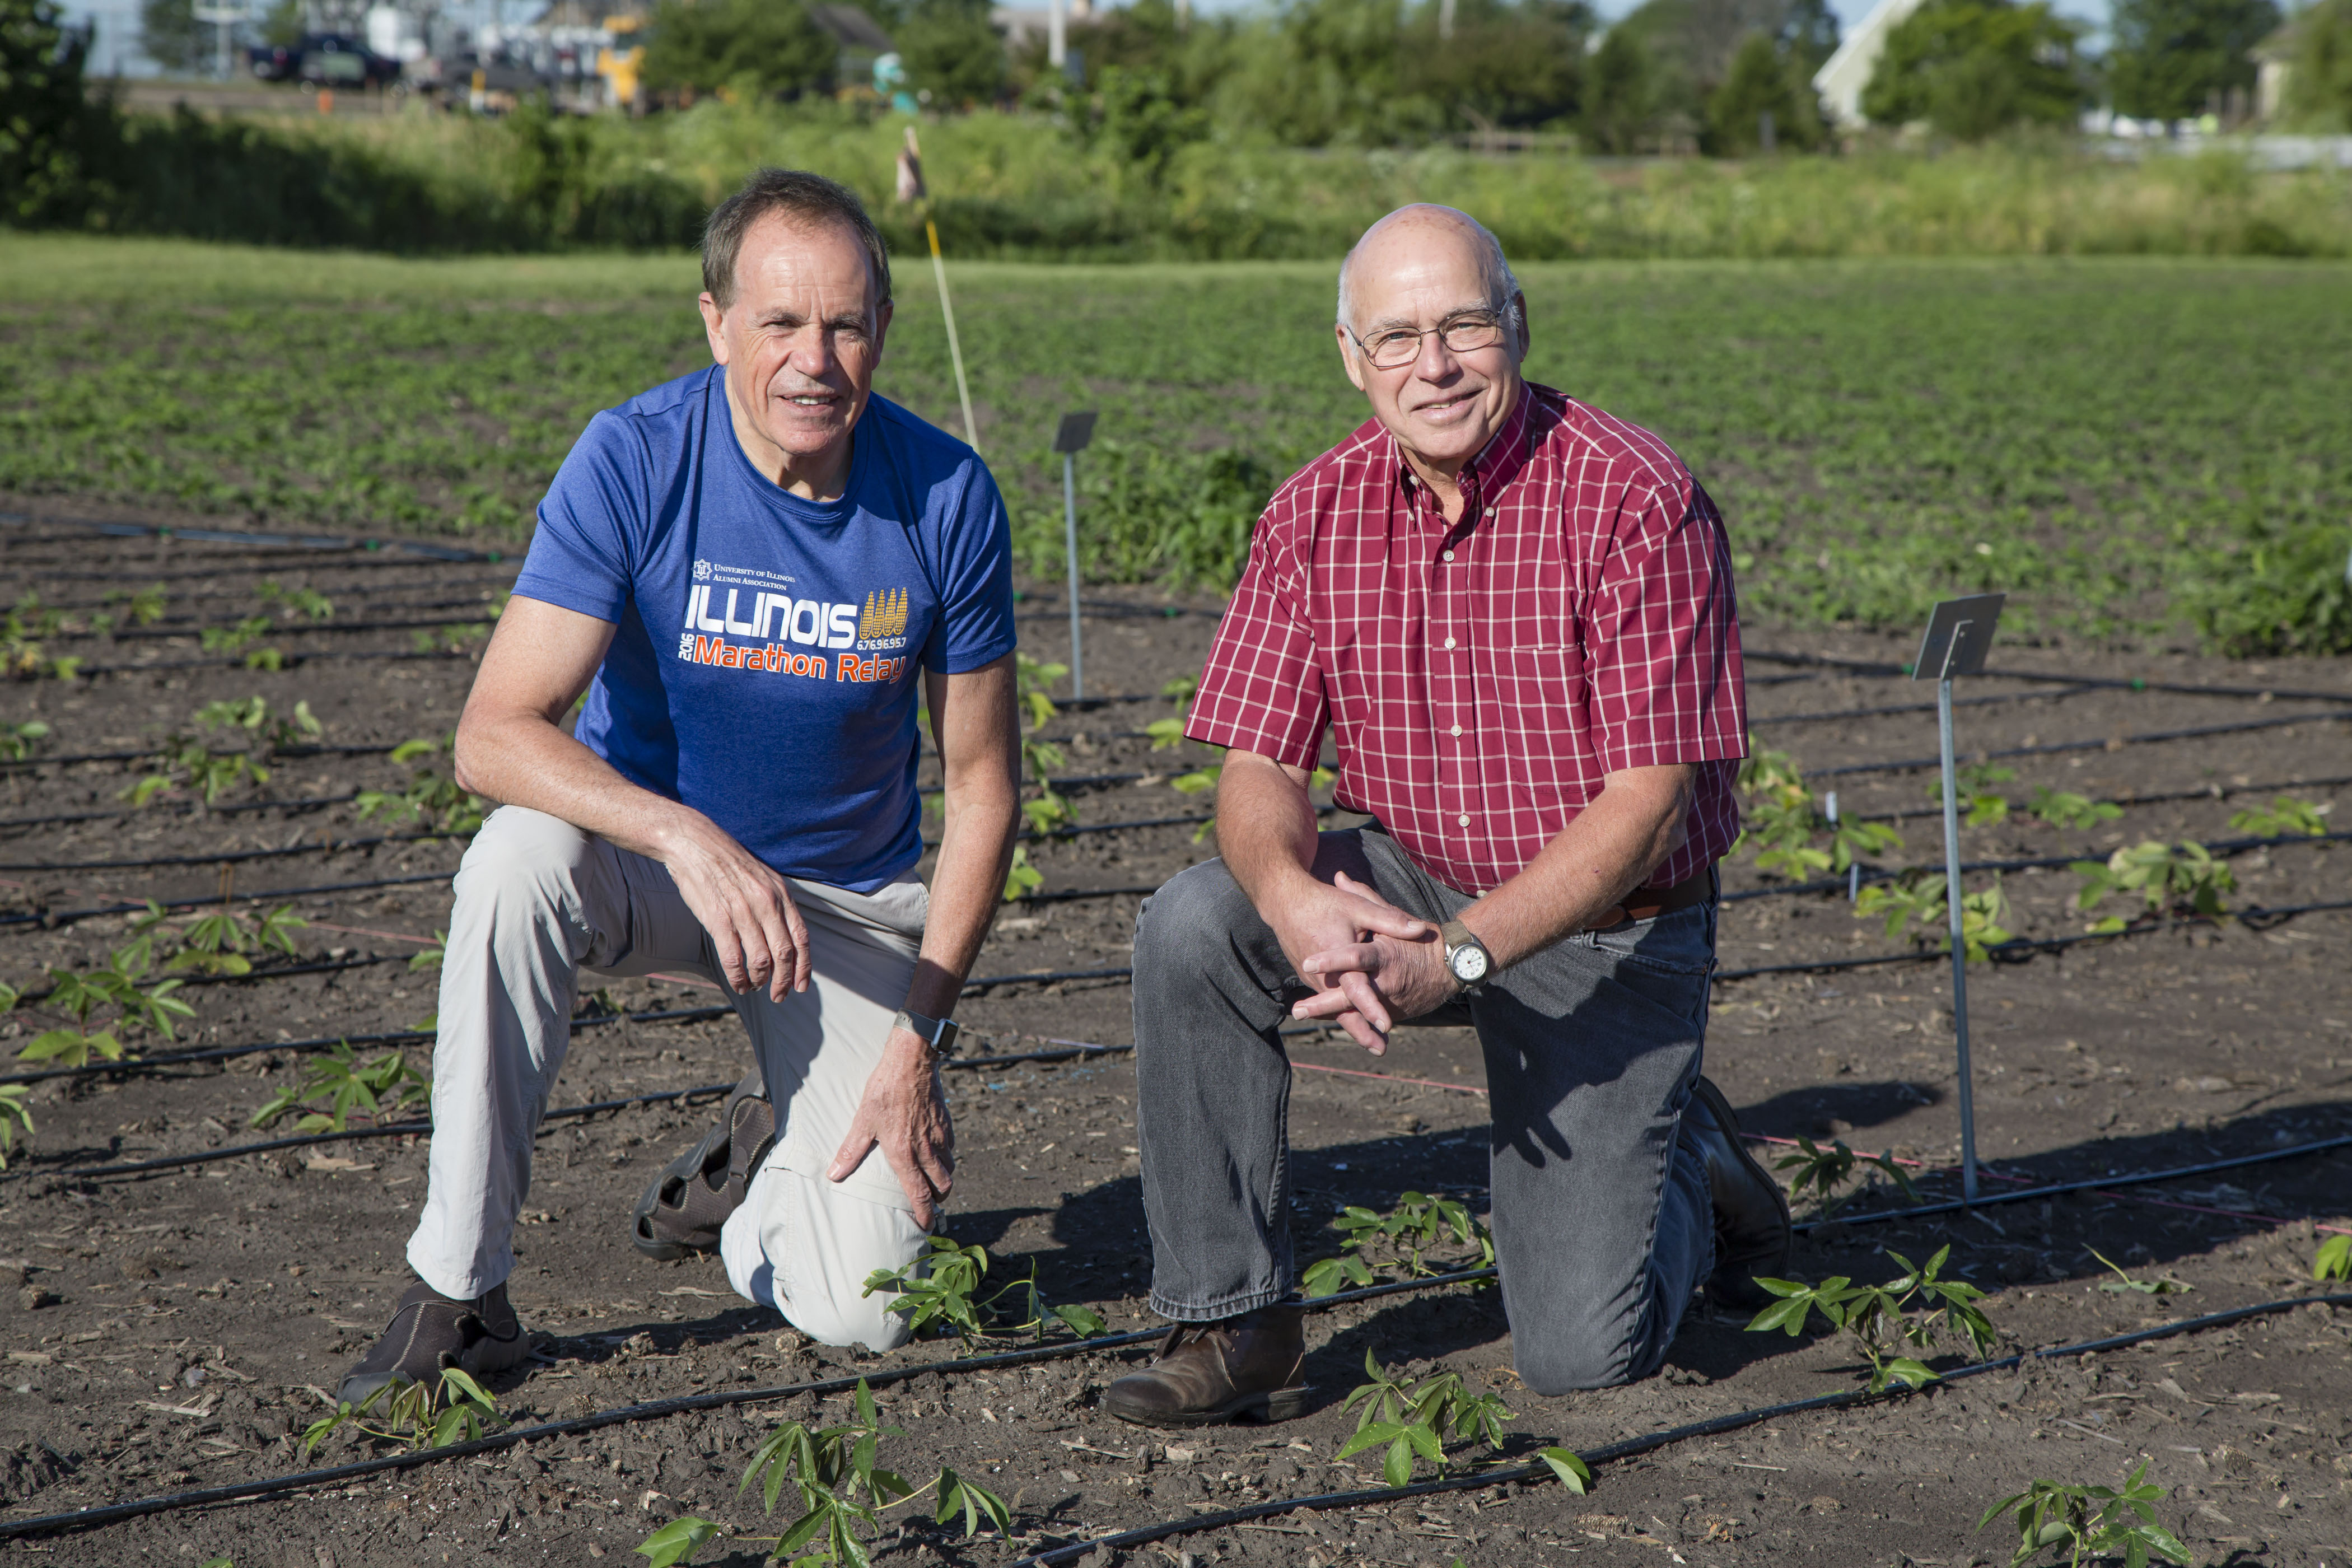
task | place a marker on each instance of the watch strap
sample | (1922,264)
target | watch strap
(1456,934)
(940,1033)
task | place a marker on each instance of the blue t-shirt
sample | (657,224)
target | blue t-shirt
(763,666)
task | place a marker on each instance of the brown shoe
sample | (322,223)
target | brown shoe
(1751,1215)
(1209,1372)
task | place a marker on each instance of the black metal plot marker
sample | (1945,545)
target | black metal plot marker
(1076,433)
(1959,634)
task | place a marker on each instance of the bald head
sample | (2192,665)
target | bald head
(1426,235)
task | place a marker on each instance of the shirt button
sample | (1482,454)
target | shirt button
(1449,642)
(1490,511)
(1455,731)
(1464,819)
(1449,555)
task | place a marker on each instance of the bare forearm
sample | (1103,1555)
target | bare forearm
(522,759)
(967,885)
(1609,849)
(1265,828)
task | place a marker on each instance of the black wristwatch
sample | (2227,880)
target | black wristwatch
(940,1033)
(1466,958)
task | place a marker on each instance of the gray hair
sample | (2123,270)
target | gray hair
(800,195)
(1502,283)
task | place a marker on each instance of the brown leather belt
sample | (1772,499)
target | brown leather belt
(1649,903)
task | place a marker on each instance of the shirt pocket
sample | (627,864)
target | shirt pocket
(1540,686)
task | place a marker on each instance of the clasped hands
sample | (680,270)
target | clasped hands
(1374,964)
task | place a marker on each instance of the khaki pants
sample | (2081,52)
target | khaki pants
(537,902)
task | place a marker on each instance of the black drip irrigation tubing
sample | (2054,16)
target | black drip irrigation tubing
(2056,748)
(150,754)
(60,917)
(286,661)
(1633,1448)
(661,1409)
(308,803)
(222,857)
(2053,678)
(282,972)
(1829,714)
(313,541)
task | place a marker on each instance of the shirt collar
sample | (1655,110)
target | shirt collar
(1484,476)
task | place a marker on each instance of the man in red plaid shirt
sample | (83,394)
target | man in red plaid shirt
(1514,616)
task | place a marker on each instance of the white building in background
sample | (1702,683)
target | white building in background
(1844,74)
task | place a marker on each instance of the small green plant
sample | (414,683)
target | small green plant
(141,607)
(1417,1224)
(1827,1170)
(2333,1259)
(1917,897)
(843,1492)
(455,638)
(216,944)
(2285,818)
(1168,733)
(1881,1319)
(1986,806)
(418,1415)
(15,1120)
(16,741)
(187,762)
(1046,810)
(252,716)
(2061,808)
(2123,1283)
(241,638)
(1021,877)
(430,958)
(120,984)
(940,1293)
(292,602)
(2091,1522)
(1420,1420)
(432,797)
(381,1089)
(2182,878)
(1777,815)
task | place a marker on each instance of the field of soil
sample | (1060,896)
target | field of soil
(170,1330)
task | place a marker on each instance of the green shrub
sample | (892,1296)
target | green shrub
(1148,513)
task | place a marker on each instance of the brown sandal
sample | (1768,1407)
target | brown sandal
(682,1210)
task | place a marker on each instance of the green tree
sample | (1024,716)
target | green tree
(2319,67)
(1810,37)
(2170,56)
(1764,80)
(1975,68)
(953,52)
(1506,64)
(172,36)
(48,126)
(1617,96)
(281,24)
(757,48)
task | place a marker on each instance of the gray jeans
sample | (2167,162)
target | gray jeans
(1602,1219)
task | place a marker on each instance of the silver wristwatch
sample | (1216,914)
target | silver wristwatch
(940,1033)
(1466,958)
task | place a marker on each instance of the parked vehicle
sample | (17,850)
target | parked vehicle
(323,59)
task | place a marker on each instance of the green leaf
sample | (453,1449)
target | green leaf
(1396,1469)
(1572,1472)
(2333,1259)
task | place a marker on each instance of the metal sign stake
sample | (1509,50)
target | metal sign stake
(1958,634)
(1076,433)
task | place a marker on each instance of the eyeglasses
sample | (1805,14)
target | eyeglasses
(1393,348)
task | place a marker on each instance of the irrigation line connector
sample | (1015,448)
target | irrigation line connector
(1633,1448)
(1959,636)
(1072,435)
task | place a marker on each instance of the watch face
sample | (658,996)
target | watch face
(1469,964)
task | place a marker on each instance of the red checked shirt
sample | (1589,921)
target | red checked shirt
(1482,680)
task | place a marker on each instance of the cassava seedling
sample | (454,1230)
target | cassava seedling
(1827,1170)
(17,741)
(432,797)
(2124,1283)
(1417,1224)
(417,1416)
(15,1120)
(2061,808)
(380,1088)
(1046,810)
(293,601)
(2333,1259)
(1422,1420)
(2091,1522)
(843,1492)
(1918,897)
(1882,1320)
(2285,816)
(216,944)
(430,957)
(941,1292)
(2183,879)
(1021,877)
(1986,806)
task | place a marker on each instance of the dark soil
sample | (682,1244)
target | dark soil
(175,1331)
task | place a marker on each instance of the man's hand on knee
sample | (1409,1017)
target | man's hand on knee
(1392,968)
(760,939)
(904,1113)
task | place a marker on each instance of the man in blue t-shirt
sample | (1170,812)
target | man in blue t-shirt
(744,571)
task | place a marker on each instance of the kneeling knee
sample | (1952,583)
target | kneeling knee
(1556,1368)
(1192,912)
(860,1322)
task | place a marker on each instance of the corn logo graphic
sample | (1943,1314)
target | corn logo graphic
(882,623)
